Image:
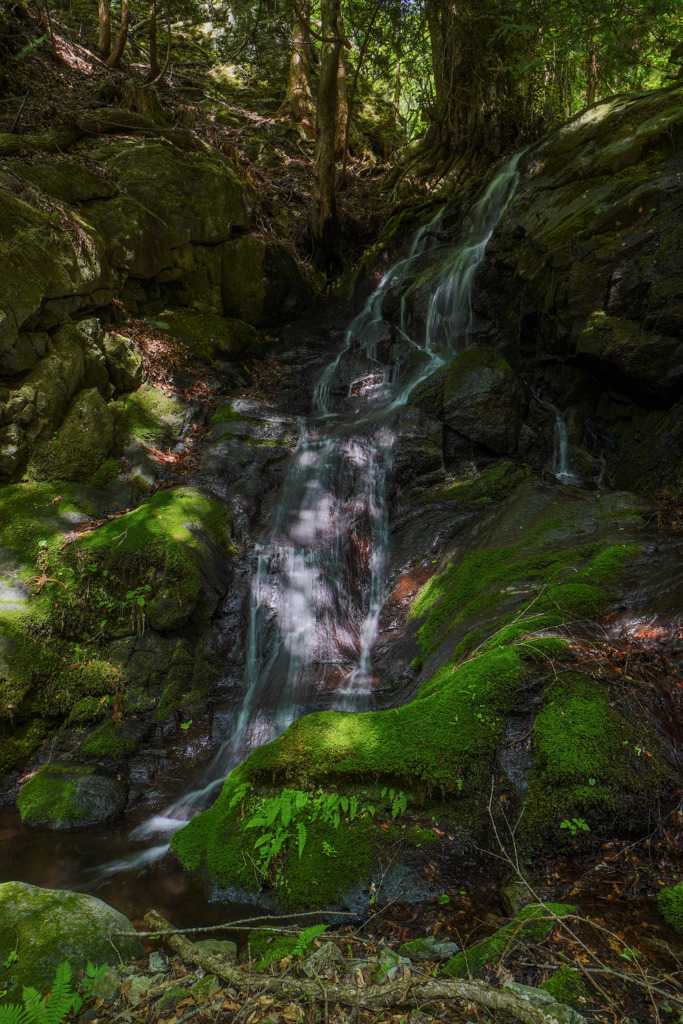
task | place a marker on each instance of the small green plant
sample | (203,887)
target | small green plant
(50,1009)
(282,817)
(575,826)
(306,938)
(92,974)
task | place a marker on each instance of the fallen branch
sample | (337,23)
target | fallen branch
(374,997)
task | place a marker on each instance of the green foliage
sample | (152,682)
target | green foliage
(670,902)
(575,825)
(51,1009)
(306,938)
(286,816)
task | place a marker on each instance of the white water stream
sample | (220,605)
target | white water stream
(321,571)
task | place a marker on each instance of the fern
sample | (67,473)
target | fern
(306,938)
(302,835)
(49,1010)
(240,794)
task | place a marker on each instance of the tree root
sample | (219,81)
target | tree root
(96,122)
(374,997)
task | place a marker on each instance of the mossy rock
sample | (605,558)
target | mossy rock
(566,986)
(124,362)
(262,283)
(485,400)
(48,926)
(590,764)
(70,796)
(211,337)
(151,416)
(670,903)
(79,446)
(532,925)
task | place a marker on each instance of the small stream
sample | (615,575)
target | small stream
(319,585)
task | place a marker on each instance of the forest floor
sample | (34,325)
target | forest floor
(49,87)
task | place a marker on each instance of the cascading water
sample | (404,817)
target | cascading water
(560,463)
(321,569)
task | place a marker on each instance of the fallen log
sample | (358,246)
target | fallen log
(372,997)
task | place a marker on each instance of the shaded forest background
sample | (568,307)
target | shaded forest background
(435,90)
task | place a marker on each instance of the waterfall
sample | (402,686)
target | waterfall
(560,461)
(321,567)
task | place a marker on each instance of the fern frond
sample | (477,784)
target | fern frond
(10,1013)
(306,938)
(302,833)
(33,1004)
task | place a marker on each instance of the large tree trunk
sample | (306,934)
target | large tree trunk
(104,39)
(299,99)
(324,216)
(153,58)
(117,54)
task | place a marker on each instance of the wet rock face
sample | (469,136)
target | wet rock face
(583,281)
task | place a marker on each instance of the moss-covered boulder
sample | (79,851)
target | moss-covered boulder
(70,796)
(124,362)
(591,766)
(149,415)
(211,337)
(262,282)
(198,197)
(532,925)
(45,270)
(670,903)
(79,446)
(46,926)
(485,400)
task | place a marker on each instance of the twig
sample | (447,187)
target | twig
(23,104)
(237,924)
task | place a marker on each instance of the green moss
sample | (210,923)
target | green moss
(88,710)
(35,512)
(211,337)
(332,860)
(590,763)
(533,924)
(109,743)
(18,745)
(567,986)
(150,415)
(482,580)
(670,903)
(80,444)
(106,474)
(482,487)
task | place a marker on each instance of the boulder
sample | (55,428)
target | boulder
(25,352)
(80,444)
(12,450)
(48,926)
(262,283)
(648,365)
(124,362)
(71,796)
(198,198)
(485,400)
(66,180)
(46,271)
